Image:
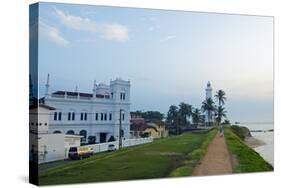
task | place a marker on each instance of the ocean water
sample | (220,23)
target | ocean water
(267,150)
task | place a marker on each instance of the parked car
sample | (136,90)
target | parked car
(80,152)
(111,147)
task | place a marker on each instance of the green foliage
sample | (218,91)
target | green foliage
(186,168)
(153,160)
(241,132)
(152,115)
(208,106)
(220,97)
(248,159)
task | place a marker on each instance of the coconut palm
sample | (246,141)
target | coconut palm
(208,106)
(185,111)
(220,113)
(173,117)
(196,116)
(220,97)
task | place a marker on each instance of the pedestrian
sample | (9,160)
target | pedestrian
(221,131)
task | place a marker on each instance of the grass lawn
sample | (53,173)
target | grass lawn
(248,160)
(174,156)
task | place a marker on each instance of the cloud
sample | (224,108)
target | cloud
(52,34)
(168,38)
(109,31)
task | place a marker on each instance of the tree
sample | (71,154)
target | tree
(196,116)
(219,114)
(208,106)
(152,115)
(220,97)
(185,111)
(172,114)
(173,118)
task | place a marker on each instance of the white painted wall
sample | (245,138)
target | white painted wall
(50,147)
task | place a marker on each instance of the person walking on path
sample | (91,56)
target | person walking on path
(221,131)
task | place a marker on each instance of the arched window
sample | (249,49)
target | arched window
(84,134)
(57,132)
(71,132)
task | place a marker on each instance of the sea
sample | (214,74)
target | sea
(267,150)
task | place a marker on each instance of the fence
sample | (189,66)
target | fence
(125,143)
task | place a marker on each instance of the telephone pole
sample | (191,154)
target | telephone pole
(120,127)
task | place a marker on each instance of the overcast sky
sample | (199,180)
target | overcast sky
(169,56)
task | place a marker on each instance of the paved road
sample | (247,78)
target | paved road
(217,159)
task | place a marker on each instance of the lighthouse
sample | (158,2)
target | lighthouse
(209,117)
(209,91)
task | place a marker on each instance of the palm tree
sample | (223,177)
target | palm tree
(220,96)
(220,113)
(172,117)
(208,106)
(185,111)
(196,116)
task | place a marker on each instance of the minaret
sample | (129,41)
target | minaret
(47,86)
(94,89)
(208,90)
(76,89)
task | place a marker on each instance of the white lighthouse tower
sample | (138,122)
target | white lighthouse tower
(209,117)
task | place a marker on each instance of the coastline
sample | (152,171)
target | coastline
(254,142)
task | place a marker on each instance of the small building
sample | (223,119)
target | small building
(156,129)
(45,146)
(137,125)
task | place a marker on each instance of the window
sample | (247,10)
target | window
(71,132)
(73,116)
(81,117)
(32,123)
(55,116)
(45,124)
(123,116)
(124,96)
(85,116)
(40,124)
(69,116)
(97,116)
(121,96)
(101,118)
(59,115)
(111,94)
(105,117)
(110,116)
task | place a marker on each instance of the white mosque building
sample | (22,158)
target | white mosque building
(91,114)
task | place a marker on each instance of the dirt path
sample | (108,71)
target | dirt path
(216,161)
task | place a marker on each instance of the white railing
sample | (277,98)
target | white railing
(125,143)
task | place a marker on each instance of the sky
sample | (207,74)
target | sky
(168,56)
